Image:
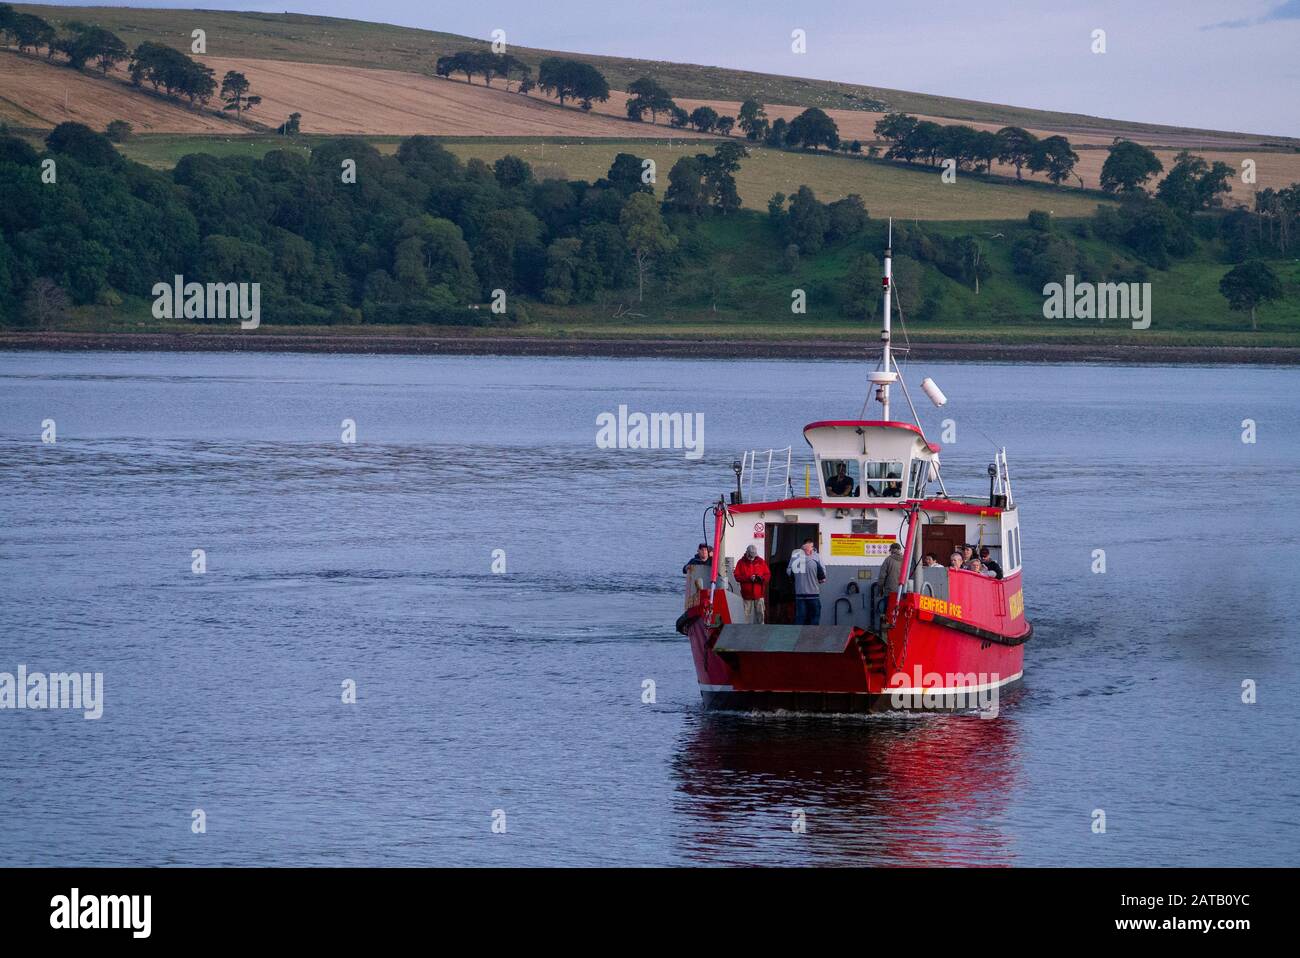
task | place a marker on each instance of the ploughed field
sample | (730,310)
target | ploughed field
(337,99)
(34,93)
(358,43)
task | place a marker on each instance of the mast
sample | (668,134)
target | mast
(885,375)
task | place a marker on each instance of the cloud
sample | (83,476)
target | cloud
(1287,10)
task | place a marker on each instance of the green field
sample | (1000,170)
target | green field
(887,189)
(595,322)
(356,43)
(163,151)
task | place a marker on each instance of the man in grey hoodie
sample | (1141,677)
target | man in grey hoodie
(808,573)
(887,579)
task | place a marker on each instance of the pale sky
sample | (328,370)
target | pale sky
(1231,65)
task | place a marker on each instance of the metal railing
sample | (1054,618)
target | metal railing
(1003,485)
(749,468)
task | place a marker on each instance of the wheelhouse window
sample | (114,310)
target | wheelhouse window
(916,484)
(885,479)
(840,477)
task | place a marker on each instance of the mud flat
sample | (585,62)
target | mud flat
(682,347)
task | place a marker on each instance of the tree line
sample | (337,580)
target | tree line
(1191,185)
(565,79)
(912,140)
(162,67)
(488,65)
(558,77)
(811,129)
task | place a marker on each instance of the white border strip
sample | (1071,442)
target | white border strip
(948,689)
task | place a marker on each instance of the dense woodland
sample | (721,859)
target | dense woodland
(420,237)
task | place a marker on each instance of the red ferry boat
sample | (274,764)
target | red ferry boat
(945,638)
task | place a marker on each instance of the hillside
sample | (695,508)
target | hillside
(372,102)
(355,100)
(436,224)
(34,93)
(355,43)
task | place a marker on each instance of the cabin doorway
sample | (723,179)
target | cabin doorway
(942,541)
(781,539)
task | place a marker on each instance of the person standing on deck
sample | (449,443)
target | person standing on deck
(753,575)
(702,556)
(887,579)
(697,571)
(808,573)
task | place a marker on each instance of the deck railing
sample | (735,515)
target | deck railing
(751,463)
(1003,487)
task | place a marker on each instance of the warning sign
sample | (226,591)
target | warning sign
(860,545)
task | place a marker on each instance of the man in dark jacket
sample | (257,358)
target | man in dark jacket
(989,562)
(840,484)
(703,556)
(753,575)
(697,571)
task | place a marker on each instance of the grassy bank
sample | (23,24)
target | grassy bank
(593,322)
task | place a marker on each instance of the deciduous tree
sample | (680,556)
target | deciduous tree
(752,119)
(1192,184)
(234,91)
(813,128)
(1128,166)
(646,235)
(1249,286)
(1016,146)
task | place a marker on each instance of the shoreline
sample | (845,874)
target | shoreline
(679,348)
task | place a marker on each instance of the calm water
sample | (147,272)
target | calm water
(522,691)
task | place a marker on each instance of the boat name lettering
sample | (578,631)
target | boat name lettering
(1017,603)
(940,606)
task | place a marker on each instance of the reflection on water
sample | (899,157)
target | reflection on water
(874,790)
(524,691)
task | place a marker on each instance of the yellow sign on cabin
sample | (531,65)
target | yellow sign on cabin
(860,545)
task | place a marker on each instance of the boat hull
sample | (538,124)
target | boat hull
(922,662)
(724,699)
